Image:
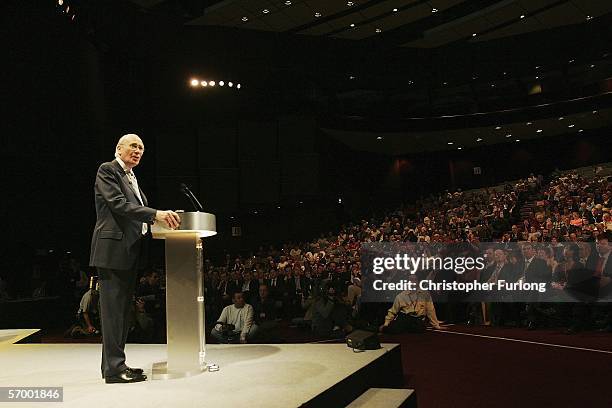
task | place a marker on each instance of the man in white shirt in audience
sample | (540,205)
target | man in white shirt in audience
(236,322)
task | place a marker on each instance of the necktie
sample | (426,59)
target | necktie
(134,183)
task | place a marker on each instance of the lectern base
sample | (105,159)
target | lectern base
(160,372)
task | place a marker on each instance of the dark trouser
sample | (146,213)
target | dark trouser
(116,299)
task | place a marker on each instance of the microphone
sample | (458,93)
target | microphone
(194,201)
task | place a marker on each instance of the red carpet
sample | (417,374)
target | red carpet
(449,370)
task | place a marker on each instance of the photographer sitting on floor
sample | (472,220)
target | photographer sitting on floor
(236,322)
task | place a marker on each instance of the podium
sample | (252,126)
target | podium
(184,294)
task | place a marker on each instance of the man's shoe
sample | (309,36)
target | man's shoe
(125,376)
(136,370)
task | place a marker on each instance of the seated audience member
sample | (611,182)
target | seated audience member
(236,322)
(330,314)
(412,310)
(249,287)
(603,273)
(141,324)
(149,290)
(264,314)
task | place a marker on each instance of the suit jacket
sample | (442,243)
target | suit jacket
(538,271)
(116,240)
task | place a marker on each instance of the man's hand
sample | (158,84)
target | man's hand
(91,329)
(170,218)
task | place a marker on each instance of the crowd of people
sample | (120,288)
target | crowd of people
(317,285)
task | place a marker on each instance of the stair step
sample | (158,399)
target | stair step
(385,398)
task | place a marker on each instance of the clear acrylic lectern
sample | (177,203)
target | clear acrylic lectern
(184,295)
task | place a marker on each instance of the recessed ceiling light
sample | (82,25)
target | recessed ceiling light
(580,130)
(505,73)
(571,61)
(238,86)
(230,84)
(459,148)
(352,24)
(351,77)
(194,82)
(537,67)
(473,34)
(539,131)
(571,126)
(594,112)
(444,83)
(517,140)
(589,17)
(522,16)
(509,135)
(537,77)
(492,85)
(350,3)
(479,139)
(592,65)
(497,127)
(245,19)
(221,83)
(265,11)
(561,118)
(450,143)
(529,123)
(434,10)
(204,83)
(288,3)
(317,14)
(211,83)
(379,138)
(378,30)
(395,10)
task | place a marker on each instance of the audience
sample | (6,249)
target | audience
(236,323)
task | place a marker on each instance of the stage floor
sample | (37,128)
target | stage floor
(276,375)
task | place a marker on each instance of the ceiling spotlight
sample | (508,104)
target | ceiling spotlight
(379,138)
(317,14)
(474,77)
(265,11)
(459,148)
(592,65)
(194,82)
(561,118)
(378,30)
(497,127)
(444,83)
(580,130)
(245,19)
(67,9)
(537,67)
(539,131)
(60,2)
(537,77)
(238,86)
(351,77)
(211,83)
(505,73)
(204,83)
(434,10)
(450,143)
(352,24)
(571,126)
(278,206)
(350,3)
(479,139)
(522,16)
(230,84)
(288,3)
(221,83)
(492,85)
(594,112)
(571,61)
(509,135)
(395,10)
(589,17)
(473,34)
(529,123)
(517,140)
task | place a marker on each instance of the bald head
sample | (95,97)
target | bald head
(130,149)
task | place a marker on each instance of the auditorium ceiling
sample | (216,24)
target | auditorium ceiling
(502,132)
(402,23)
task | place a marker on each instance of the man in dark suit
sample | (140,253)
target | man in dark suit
(117,251)
(536,270)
